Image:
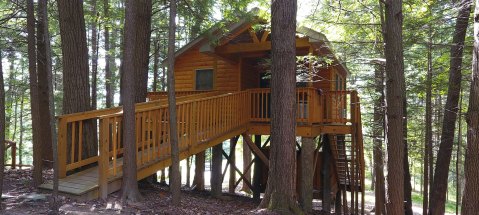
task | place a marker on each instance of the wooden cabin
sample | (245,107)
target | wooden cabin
(222,89)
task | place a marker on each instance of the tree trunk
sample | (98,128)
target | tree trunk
(94,55)
(142,49)
(258,170)
(32,68)
(232,178)
(20,141)
(307,164)
(2,126)
(281,189)
(44,63)
(458,157)
(246,161)
(129,183)
(378,135)
(439,187)
(188,170)
(428,138)
(395,94)
(199,179)
(470,199)
(76,85)
(407,174)
(108,58)
(216,164)
(175,186)
(156,65)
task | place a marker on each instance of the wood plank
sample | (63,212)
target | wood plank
(255,149)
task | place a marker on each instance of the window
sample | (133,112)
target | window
(204,79)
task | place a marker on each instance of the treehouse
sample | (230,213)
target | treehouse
(222,89)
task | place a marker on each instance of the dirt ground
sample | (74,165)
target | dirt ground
(19,197)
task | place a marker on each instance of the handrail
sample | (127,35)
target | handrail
(198,122)
(77,128)
(151,96)
(197,110)
(308,105)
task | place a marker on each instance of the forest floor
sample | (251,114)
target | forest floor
(19,197)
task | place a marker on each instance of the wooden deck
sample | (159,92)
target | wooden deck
(204,120)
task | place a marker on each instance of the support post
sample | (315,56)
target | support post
(246,170)
(232,181)
(216,179)
(306,183)
(199,179)
(103,163)
(325,175)
(257,174)
(62,148)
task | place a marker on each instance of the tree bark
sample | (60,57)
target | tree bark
(307,164)
(439,186)
(175,185)
(246,161)
(232,178)
(94,55)
(156,65)
(142,49)
(129,183)
(108,58)
(395,94)
(470,199)
(32,68)
(428,138)
(280,191)
(378,135)
(407,174)
(45,86)
(2,126)
(458,157)
(216,164)
(199,179)
(76,85)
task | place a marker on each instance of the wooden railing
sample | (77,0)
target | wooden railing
(78,131)
(201,116)
(308,105)
(198,122)
(338,108)
(152,96)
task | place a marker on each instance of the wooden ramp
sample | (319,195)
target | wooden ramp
(202,123)
(204,119)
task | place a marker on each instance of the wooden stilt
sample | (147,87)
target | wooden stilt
(256,148)
(216,164)
(325,175)
(247,161)
(232,186)
(257,174)
(337,203)
(306,183)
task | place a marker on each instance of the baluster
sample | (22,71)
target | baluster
(80,140)
(72,150)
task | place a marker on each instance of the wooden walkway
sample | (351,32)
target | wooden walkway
(204,120)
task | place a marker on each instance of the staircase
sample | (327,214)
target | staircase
(347,150)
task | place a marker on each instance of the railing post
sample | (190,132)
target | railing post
(103,167)
(353,106)
(311,109)
(193,126)
(62,148)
